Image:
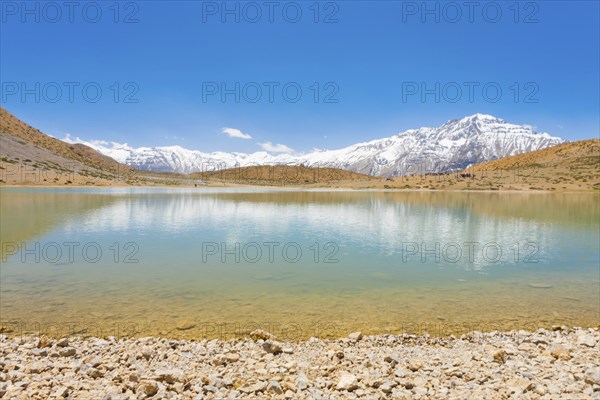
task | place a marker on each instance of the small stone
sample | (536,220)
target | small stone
(169,375)
(100,343)
(500,357)
(454,371)
(219,360)
(259,334)
(232,357)
(387,386)
(219,382)
(210,389)
(552,388)
(592,376)
(347,382)
(257,387)
(420,391)
(272,347)
(560,352)
(355,336)
(94,373)
(40,352)
(400,372)
(539,389)
(94,362)
(67,352)
(415,365)
(147,388)
(44,342)
(393,361)
(61,392)
(586,340)
(37,367)
(302,382)
(274,387)
(147,353)
(64,342)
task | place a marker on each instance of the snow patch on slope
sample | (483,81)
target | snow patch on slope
(454,145)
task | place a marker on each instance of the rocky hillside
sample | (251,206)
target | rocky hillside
(583,155)
(568,166)
(28,156)
(282,175)
(13,126)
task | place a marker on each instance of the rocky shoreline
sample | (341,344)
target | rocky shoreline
(563,363)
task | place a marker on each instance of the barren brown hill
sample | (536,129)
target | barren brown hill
(565,167)
(13,126)
(282,175)
(574,165)
(580,155)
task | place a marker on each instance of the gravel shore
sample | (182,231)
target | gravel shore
(563,363)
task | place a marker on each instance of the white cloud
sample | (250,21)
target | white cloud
(173,137)
(275,148)
(118,151)
(236,133)
(95,144)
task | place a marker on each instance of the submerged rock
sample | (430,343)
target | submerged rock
(539,285)
(185,325)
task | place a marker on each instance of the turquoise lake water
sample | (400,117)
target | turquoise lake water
(205,262)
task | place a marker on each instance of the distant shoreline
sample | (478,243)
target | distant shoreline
(563,168)
(297,187)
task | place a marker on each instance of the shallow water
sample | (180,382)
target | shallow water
(223,262)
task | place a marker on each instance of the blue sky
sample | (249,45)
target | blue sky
(369,63)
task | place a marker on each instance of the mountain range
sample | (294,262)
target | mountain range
(455,145)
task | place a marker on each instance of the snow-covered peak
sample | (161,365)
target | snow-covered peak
(484,118)
(452,146)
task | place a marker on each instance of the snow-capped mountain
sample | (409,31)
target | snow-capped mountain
(452,146)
